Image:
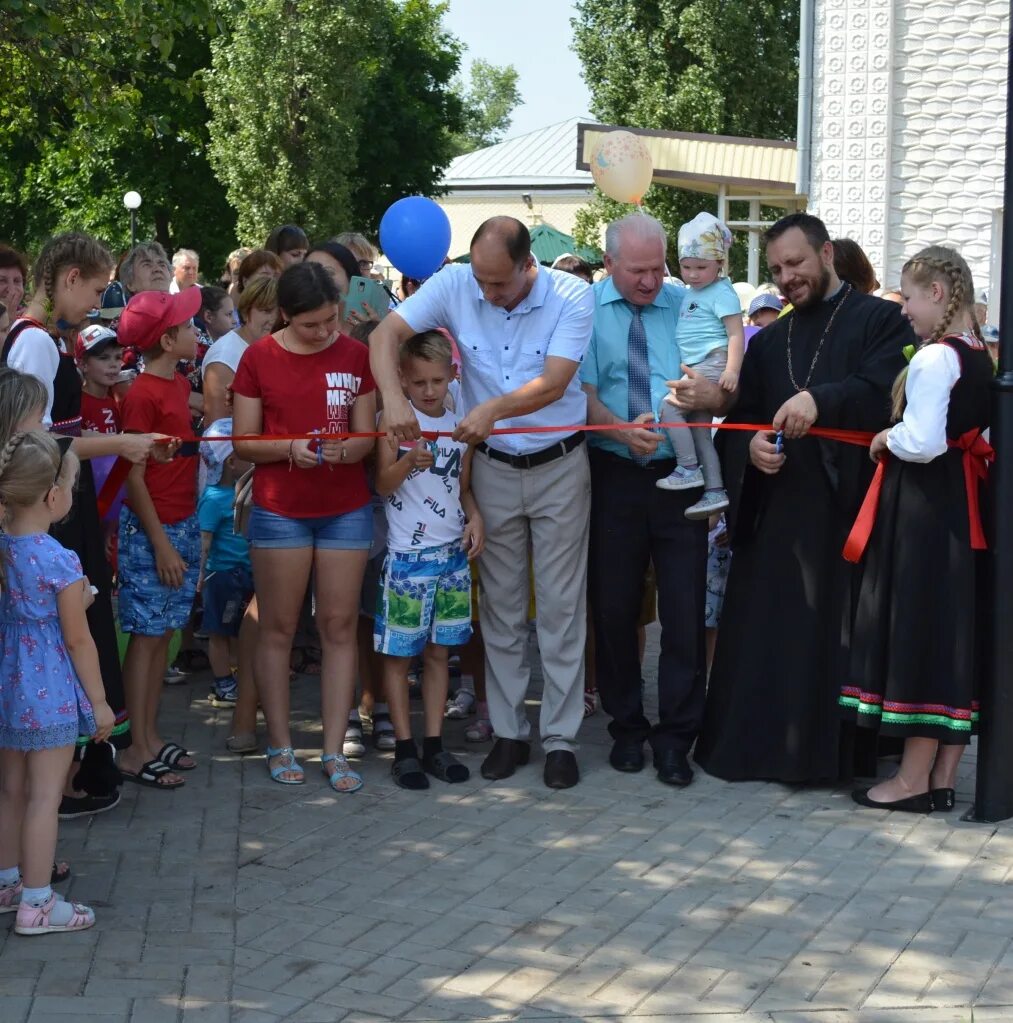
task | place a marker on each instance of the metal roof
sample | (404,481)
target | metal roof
(541,159)
(704,163)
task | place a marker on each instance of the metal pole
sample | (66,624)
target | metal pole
(133,228)
(993,796)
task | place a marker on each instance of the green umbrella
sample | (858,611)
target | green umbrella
(548,244)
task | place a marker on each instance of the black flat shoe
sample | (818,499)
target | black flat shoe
(922,803)
(627,756)
(561,771)
(504,758)
(673,767)
(943,800)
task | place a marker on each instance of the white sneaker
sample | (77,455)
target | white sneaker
(461,706)
(681,479)
(712,502)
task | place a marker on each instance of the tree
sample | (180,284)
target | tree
(687,65)
(74,157)
(489,102)
(323,113)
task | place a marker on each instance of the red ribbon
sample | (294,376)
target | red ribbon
(977,454)
(121,468)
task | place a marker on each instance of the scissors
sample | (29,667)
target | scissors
(779,442)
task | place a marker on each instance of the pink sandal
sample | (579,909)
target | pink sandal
(479,731)
(36,919)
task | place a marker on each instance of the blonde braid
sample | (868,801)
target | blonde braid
(7,453)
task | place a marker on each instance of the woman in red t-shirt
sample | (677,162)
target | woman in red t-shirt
(311,506)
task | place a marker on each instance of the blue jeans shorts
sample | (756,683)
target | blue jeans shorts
(146,606)
(352,531)
(226,594)
(425,597)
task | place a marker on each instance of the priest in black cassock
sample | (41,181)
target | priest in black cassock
(781,653)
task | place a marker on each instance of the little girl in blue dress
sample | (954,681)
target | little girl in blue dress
(50,682)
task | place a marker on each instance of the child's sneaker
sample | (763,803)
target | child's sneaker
(52,917)
(712,502)
(225,692)
(174,676)
(461,706)
(681,479)
(353,746)
(10,897)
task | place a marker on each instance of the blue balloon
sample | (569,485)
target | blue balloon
(415,236)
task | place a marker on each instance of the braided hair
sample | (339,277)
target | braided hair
(74,248)
(944,266)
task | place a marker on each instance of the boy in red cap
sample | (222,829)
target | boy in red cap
(159,549)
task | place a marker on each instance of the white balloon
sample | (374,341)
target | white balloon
(621,166)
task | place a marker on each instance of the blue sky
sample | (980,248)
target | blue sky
(535,36)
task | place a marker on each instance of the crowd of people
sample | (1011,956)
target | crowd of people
(410,487)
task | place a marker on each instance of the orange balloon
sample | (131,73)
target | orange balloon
(622,167)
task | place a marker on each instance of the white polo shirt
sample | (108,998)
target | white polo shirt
(502,350)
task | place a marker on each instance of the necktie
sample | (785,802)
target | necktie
(639,373)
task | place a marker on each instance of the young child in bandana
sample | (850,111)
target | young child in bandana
(710,337)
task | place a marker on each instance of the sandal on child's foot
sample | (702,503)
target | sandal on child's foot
(480,731)
(446,767)
(353,745)
(242,742)
(173,755)
(383,732)
(287,764)
(52,917)
(590,702)
(10,897)
(408,774)
(337,771)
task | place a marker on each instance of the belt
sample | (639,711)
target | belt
(549,454)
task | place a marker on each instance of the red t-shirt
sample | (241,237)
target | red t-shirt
(300,394)
(156,405)
(100,414)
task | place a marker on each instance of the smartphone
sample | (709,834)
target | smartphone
(363,291)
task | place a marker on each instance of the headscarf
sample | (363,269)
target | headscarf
(704,237)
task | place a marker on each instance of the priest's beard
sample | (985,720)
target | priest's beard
(817,290)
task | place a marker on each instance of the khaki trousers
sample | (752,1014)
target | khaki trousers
(546,509)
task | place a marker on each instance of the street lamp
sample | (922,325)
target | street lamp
(132,200)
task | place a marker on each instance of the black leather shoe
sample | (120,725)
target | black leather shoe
(943,800)
(922,803)
(504,758)
(627,755)
(673,767)
(561,770)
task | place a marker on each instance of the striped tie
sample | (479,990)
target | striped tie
(639,373)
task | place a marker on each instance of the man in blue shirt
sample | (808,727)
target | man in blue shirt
(634,523)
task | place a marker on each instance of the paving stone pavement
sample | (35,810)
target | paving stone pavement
(236,900)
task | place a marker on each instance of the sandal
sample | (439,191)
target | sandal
(36,919)
(480,731)
(341,772)
(61,871)
(590,702)
(383,732)
(288,764)
(149,775)
(171,754)
(446,767)
(353,745)
(408,774)
(305,660)
(244,742)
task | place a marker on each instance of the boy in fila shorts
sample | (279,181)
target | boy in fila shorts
(433,530)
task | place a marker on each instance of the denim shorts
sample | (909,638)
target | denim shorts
(146,606)
(226,594)
(425,597)
(352,531)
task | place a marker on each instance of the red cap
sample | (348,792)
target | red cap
(149,314)
(92,339)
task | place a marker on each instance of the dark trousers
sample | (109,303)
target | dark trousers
(632,524)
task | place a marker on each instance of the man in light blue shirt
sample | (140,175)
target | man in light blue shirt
(631,357)
(522,331)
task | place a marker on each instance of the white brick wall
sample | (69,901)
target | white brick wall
(909,126)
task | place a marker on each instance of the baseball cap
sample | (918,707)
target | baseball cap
(149,314)
(765,300)
(92,340)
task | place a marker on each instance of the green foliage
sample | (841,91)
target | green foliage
(489,100)
(324,113)
(713,66)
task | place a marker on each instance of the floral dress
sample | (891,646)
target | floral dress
(42,703)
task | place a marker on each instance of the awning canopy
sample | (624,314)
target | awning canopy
(710,163)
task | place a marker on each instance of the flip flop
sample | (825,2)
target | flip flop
(149,774)
(171,754)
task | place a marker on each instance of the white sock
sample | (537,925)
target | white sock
(9,876)
(468,684)
(36,896)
